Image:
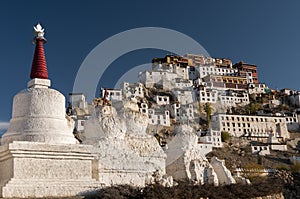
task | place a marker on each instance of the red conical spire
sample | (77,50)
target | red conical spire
(39,66)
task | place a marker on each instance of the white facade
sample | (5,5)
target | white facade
(257,88)
(261,149)
(205,147)
(292,123)
(175,111)
(79,110)
(113,94)
(159,117)
(188,111)
(77,100)
(150,78)
(211,136)
(182,72)
(275,144)
(278,147)
(144,108)
(205,95)
(183,83)
(182,112)
(162,100)
(79,123)
(133,90)
(251,126)
(233,99)
(184,96)
(213,70)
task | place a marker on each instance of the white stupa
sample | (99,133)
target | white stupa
(39,112)
(39,156)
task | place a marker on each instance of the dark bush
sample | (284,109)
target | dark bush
(260,187)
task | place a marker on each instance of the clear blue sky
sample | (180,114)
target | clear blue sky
(266,33)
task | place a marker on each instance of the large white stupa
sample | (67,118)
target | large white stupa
(39,156)
(39,112)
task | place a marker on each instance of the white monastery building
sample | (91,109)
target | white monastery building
(253,126)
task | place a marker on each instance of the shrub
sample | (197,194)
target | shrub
(225,136)
(282,167)
(295,167)
(261,187)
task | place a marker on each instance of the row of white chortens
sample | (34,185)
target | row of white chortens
(40,157)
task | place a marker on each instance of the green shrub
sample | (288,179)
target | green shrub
(295,167)
(283,167)
(225,136)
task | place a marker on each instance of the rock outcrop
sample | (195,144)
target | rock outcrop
(186,160)
(125,153)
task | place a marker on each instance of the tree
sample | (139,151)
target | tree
(208,111)
(252,108)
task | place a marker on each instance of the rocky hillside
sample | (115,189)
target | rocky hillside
(237,154)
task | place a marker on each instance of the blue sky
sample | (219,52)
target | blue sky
(266,33)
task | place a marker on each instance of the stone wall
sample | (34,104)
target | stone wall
(44,170)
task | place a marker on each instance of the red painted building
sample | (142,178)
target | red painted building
(245,68)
